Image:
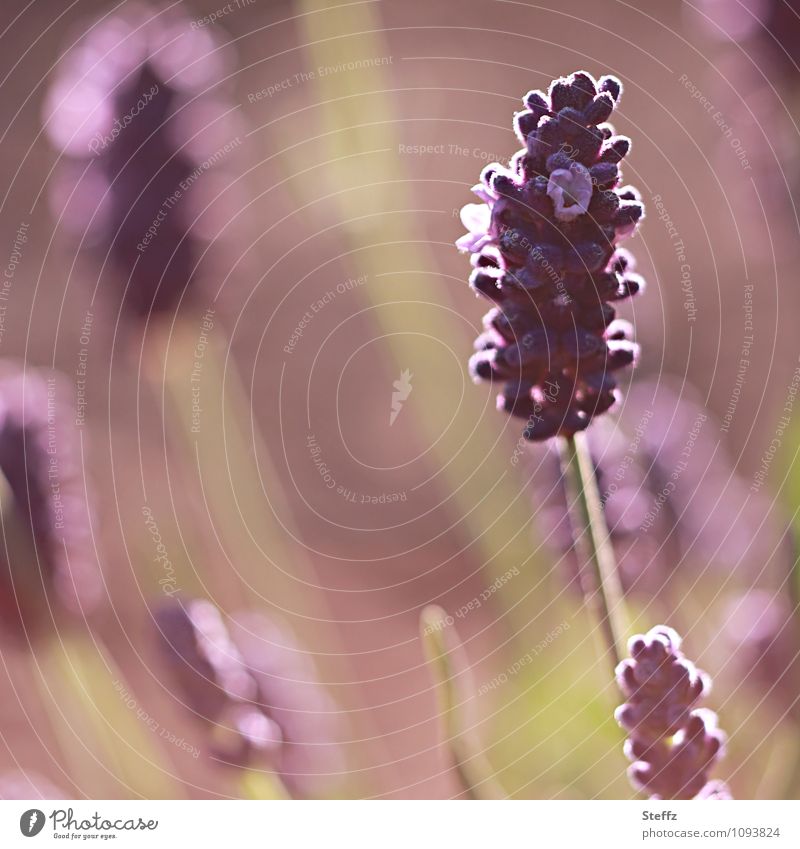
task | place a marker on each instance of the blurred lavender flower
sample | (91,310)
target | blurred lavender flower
(754,87)
(47,563)
(290,693)
(673,744)
(670,494)
(772,25)
(132,111)
(247,681)
(213,679)
(543,244)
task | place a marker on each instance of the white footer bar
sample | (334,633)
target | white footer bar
(386,824)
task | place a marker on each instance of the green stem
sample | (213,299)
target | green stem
(793,578)
(603,592)
(472,767)
(262,786)
(101,735)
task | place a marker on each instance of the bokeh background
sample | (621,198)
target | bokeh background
(352,134)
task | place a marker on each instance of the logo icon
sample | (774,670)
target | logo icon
(400,395)
(31,822)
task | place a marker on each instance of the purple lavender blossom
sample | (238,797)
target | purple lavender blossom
(544,248)
(672,743)
(135,112)
(48,565)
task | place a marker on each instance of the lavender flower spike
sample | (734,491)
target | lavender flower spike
(255,690)
(544,248)
(49,572)
(672,743)
(139,111)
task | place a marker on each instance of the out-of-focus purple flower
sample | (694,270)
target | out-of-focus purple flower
(136,112)
(256,691)
(289,692)
(772,25)
(214,680)
(669,490)
(48,564)
(544,247)
(754,78)
(673,744)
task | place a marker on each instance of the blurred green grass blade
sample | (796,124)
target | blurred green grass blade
(789,494)
(228,462)
(471,765)
(79,683)
(471,459)
(553,715)
(261,786)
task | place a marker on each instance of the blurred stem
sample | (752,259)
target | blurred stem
(592,542)
(472,767)
(260,786)
(790,791)
(81,690)
(794,572)
(230,465)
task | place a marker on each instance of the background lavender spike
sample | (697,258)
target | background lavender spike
(48,564)
(310,759)
(672,743)
(255,689)
(670,493)
(544,247)
(138,102)
(214,681)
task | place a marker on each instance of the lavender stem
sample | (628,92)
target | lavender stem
(603,594)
